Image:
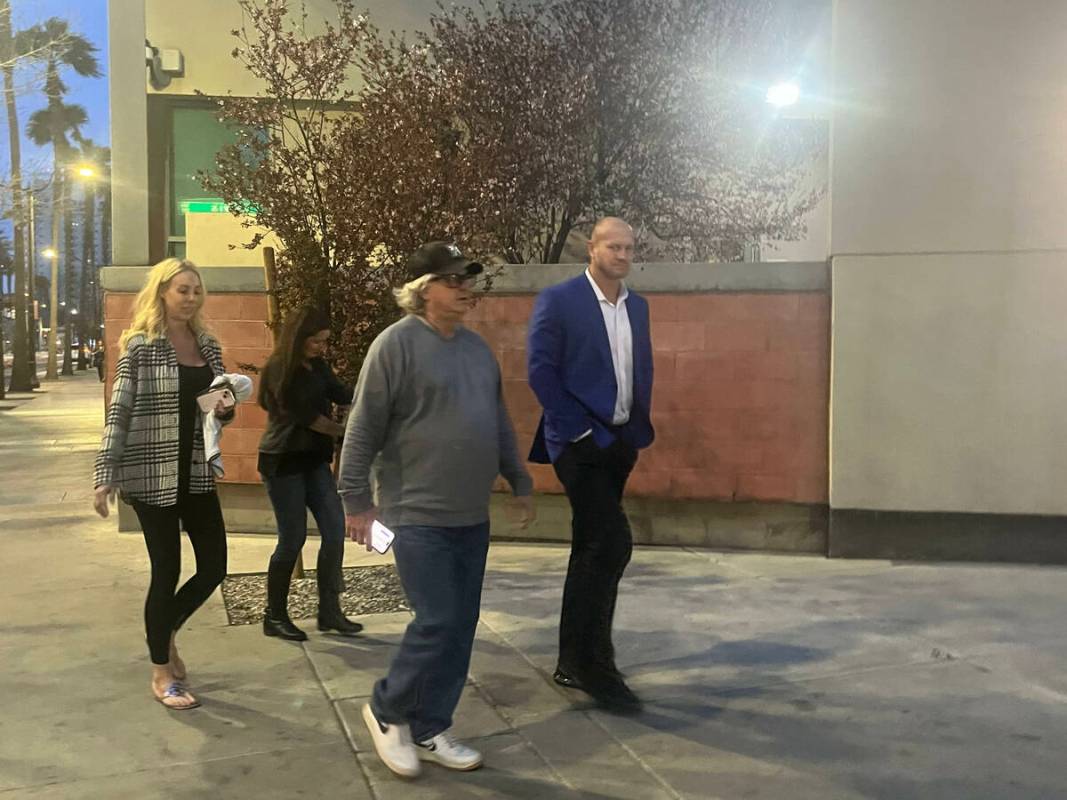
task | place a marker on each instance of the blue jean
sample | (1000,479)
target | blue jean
(291,496)
(441,570)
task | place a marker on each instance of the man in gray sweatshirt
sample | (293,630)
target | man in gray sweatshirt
(428,420)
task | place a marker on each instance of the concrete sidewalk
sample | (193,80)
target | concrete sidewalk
(765,676)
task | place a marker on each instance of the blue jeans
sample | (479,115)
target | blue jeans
(291,496)
(441,570)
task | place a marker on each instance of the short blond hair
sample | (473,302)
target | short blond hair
(409,296)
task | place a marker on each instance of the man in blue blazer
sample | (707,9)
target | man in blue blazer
(590,365)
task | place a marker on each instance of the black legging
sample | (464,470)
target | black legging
(165,610)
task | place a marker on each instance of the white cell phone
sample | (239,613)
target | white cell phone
(381,538)
(207,400)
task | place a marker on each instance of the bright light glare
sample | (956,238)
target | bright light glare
(86,172)
(783,94)
(49,252)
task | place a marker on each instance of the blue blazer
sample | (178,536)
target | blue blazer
(570,370)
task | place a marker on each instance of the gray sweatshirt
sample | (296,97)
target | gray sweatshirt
(432,411)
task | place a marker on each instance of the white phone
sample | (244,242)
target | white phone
(207,400)
(381,538)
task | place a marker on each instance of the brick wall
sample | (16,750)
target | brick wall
(239,320)
(740,401)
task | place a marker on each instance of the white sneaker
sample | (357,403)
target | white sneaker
(393,745)
(448,752)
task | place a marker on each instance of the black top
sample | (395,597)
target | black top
(288,445)
(191,381)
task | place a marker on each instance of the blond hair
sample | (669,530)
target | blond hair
(409,296)
(149,318)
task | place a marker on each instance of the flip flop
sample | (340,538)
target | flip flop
(175,690)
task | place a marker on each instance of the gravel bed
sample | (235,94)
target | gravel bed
(368,590)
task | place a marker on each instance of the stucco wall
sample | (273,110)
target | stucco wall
(949,255)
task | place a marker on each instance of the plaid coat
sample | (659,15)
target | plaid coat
(139,451)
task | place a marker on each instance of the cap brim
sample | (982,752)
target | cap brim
(461,266)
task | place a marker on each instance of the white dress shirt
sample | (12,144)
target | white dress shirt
(620,339)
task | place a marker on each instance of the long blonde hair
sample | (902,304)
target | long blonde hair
(149,319)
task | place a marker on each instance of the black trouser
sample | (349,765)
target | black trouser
(601,544)
(166,610)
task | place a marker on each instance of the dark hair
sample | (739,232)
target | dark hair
(288,355)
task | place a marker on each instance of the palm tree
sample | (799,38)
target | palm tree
(51,125)
(91,157)
(16,46)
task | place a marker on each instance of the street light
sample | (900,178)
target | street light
(783,94)
(50,252)
(86,171)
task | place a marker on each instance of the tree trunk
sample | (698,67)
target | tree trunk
(52,372)
(21,376)
(70,271)
(565,226)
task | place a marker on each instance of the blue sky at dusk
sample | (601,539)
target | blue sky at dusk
(88,18)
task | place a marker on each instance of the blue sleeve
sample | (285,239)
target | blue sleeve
(546,351)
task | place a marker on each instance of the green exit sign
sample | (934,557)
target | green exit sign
(203,206)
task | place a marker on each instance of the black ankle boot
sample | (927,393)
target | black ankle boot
(332,618)
(276,620)
(282,627)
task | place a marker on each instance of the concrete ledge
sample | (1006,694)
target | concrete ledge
(219,280)
(941,536)
(770,527)
(783,276)
(779,527)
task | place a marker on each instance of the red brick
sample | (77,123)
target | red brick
(704,307)
(663,363)
(762,424)
(249,415)
(732,454)
(649,483)
(708,366)
(779,366)
(801,334)
(232,357)
(241,441)
(813,306)
(252,306)
(735,336)
(763,306)
(118,305)
(544,478)
(241,333)
(700,484)
(513,364)
(678,337)
(662,308)
(506,308)
(765,487)
(814,488)
(221,308)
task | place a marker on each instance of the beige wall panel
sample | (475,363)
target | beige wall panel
(949,390)
(201,30)
(950,130)
(209,238)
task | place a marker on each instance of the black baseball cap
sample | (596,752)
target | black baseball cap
(440,258)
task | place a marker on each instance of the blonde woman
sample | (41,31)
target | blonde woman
(153,453)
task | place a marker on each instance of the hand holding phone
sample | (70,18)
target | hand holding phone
(381,538)
(208,399)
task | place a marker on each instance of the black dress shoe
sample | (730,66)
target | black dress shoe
(339,623)
(282,628)
(609,690)
(566,679)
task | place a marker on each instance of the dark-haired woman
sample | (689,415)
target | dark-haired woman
(298,390)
